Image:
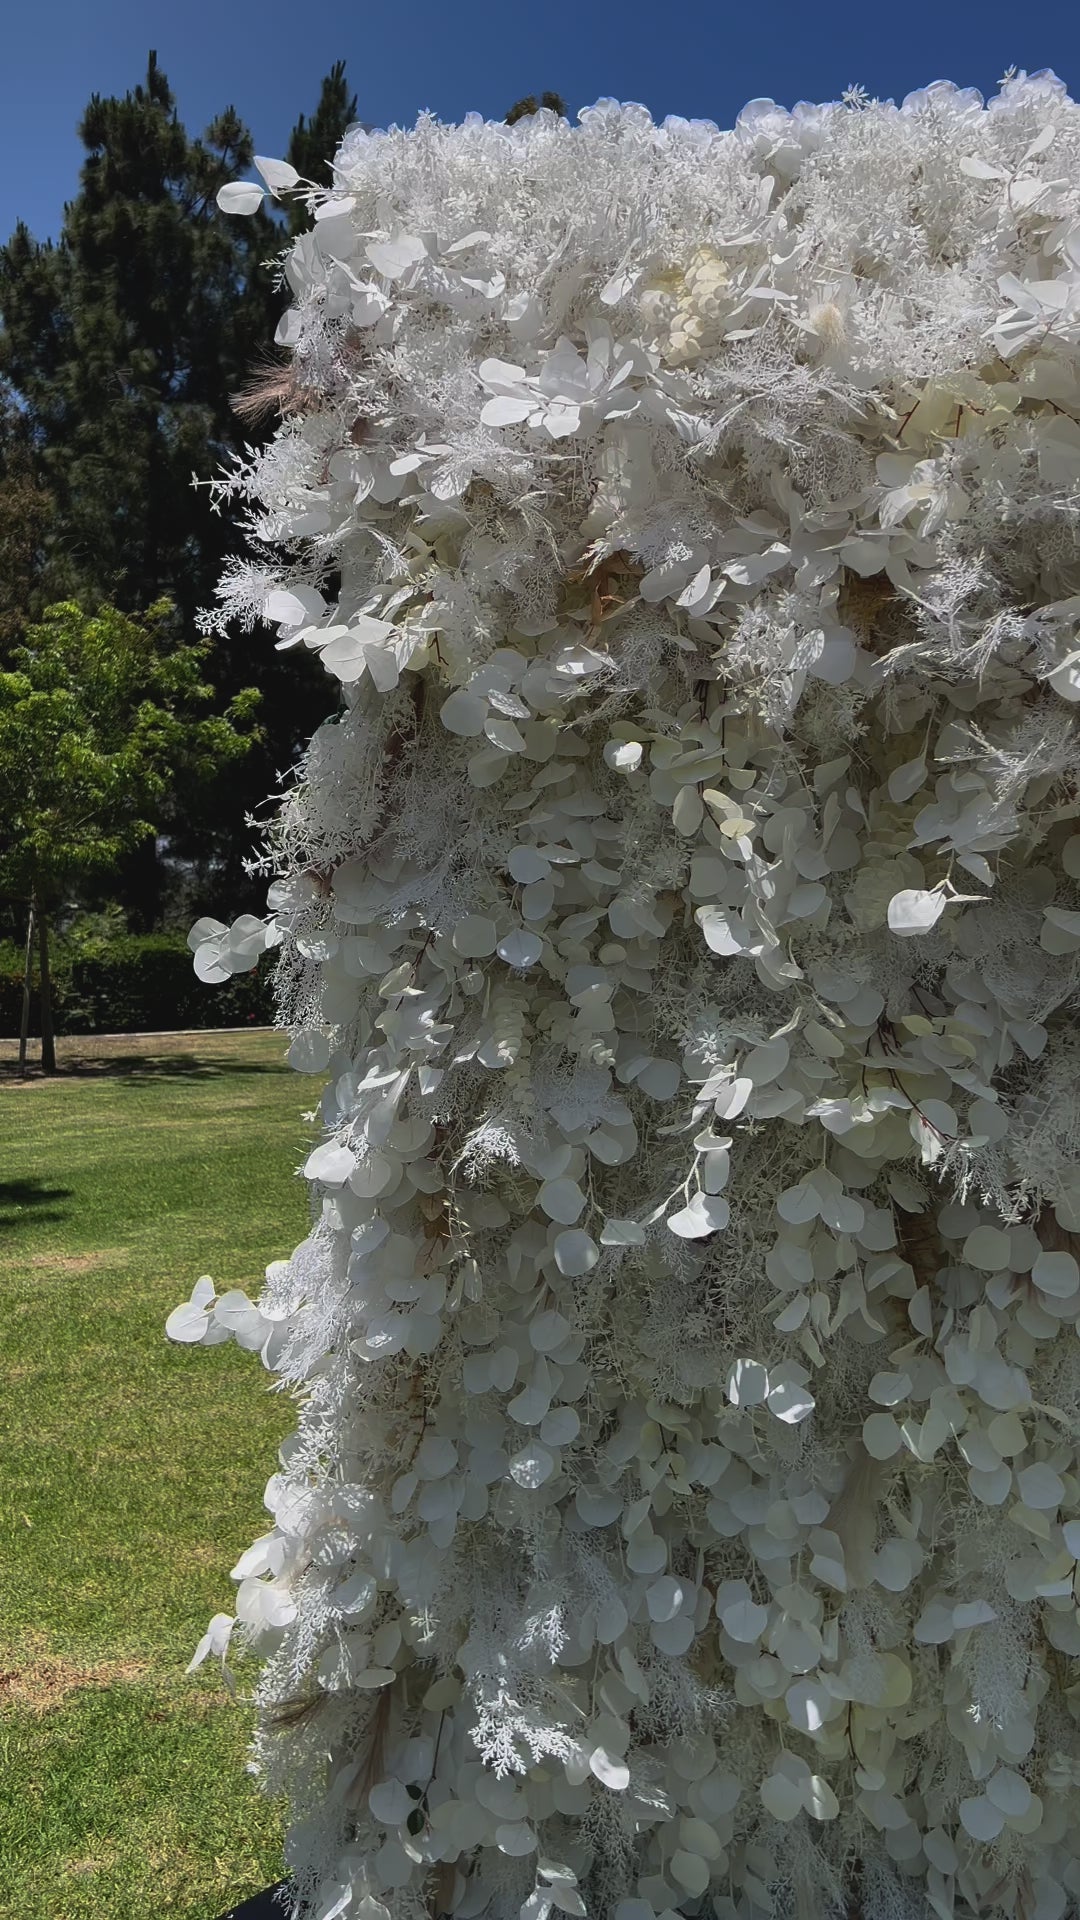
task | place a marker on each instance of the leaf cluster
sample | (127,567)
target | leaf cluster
(99,714)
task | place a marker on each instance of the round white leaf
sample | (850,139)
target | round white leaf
(206,929)
(188,1324)
(575,1253)
(660,1079)
(904,782)
(1057,1274)
(211,965)
(515,1838)
(612,1620)
(808,1705)
(505,410)
(935,1624)
(980,1818)
(560,1427)
(597,1506)
(331,1163)
(624,754)
(781,1797)
(790,1401)
(609,1770)
(988,1249)
(1070,856)
(293,606)
(278,174)
(690,1871)
(991,1485)
(745,1620)
(562,1200)
(706,1213)
(915,910)
(665,1598)
(1040,1487)
(527,864)
(357,1595)
(747,1384)
(310,1052)
(798,1205)
(372,1175)
(549,1330)
(240,196)
(532,1465)
(836,661)
(1066,678)
(622,1233)
(520,948)
(393,258)
(474,936)
(881,1436)
(390,1802)
(464,713)
(819,1799)
(537,899)
(888,1389)
(1009,1792)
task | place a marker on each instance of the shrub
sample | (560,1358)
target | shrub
(132,983)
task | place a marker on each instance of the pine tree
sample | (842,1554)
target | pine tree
(314,142)
(529,104)
(25,512)
(126,342)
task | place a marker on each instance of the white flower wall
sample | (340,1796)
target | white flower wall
(684,1514)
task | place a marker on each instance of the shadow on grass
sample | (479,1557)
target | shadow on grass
(139,1068)
(17,1196)
(268,1905)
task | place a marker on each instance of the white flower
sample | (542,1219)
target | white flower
(1039,309)
(568,395)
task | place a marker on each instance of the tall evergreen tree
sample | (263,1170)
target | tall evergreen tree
(126,342)
(529,103)
(25,514)
(314,142)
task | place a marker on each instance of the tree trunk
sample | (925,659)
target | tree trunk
(48,1045)
(28,970)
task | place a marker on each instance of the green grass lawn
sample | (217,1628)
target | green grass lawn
(132,1471)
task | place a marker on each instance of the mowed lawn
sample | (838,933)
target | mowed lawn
(132,1471)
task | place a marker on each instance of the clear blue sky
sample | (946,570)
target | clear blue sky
(702,58)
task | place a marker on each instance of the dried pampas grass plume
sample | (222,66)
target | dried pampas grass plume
(273,388)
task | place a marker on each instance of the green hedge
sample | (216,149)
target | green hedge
(138,983)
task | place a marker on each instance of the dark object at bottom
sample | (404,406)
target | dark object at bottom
(262,1906)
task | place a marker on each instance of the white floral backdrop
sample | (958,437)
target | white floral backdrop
(684,905)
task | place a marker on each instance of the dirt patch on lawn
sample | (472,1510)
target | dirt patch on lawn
(44,1682)
(92,1865)
(79,1262)
(41,1265)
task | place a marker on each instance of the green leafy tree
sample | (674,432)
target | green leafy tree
(98,714)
